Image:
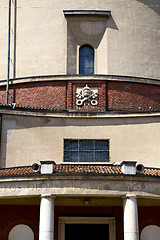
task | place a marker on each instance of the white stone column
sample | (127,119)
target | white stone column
(46,225)
(130,210)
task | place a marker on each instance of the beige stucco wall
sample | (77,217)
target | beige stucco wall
(26,140)
(129,46)
(3,39)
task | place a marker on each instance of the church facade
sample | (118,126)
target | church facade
(80,120)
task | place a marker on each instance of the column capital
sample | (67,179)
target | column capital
(47,196)
(130,196)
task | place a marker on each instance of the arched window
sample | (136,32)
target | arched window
(151,232)
(20,232)
(86,60)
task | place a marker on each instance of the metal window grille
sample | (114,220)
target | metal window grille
(86,150)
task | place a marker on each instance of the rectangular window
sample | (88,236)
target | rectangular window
(85,231)
(86,150)
(84,228)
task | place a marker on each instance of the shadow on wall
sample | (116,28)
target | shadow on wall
(85,30)
(111,23)
(7,136)
(153,4)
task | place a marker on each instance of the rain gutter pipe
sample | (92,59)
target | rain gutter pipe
(9,38)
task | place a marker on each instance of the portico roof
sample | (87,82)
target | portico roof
(78,169)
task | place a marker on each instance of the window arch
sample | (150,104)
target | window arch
(86,60)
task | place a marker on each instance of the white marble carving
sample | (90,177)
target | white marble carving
(86,96)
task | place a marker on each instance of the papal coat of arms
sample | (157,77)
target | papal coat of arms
(86,96)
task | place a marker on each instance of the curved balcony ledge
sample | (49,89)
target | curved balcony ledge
(13,109)
(82,78)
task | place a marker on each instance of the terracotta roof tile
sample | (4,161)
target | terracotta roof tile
(76,169)
(150,172)
(17,171)
(94,169)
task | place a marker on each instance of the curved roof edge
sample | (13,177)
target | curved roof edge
(72,169)
(95,77)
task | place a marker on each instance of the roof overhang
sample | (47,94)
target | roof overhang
(87,12)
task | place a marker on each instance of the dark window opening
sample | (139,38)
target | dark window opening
(86,231)
(86,150)
(86,60)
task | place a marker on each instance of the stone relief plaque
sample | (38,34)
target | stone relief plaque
(86,96)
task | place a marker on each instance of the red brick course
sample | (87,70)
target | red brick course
(133,95)
(69,95)
(62,95)
(37,94)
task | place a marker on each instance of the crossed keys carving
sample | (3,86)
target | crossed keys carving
(86,96)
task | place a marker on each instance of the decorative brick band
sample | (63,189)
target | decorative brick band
(62,95)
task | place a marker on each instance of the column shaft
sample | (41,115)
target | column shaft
(46,226)
(131,230)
